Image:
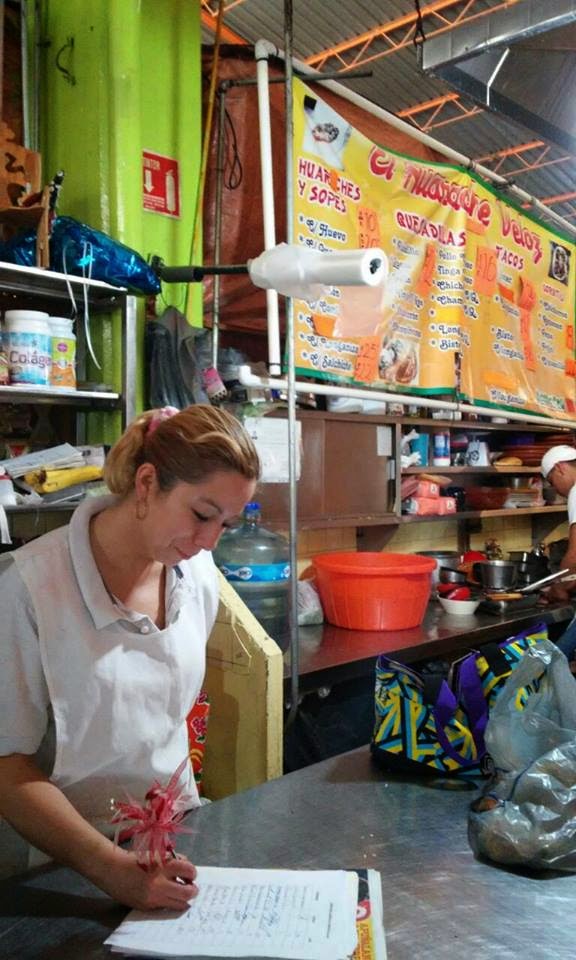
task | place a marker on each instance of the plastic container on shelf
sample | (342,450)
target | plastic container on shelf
(63,352)
(28,346)
(441,448)
(4,369)
(374,591)
(256,562)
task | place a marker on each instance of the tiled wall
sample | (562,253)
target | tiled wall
(512,533)
(311,542)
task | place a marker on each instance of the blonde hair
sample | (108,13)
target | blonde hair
(189,446)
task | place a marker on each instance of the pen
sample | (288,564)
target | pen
(182,880)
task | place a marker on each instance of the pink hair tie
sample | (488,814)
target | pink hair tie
(159,415)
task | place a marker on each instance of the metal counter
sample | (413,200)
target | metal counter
(439,902)
(329,654)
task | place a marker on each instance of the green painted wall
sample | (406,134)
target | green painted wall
(136,66)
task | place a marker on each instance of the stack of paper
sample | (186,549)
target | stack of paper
(61,457)
(285,914)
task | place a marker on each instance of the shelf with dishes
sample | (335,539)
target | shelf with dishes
(365,488)
(468,471)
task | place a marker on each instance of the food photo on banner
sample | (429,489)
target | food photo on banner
(470,274)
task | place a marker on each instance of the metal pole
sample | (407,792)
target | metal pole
(337,74)
(218,224)
(262,52)
(27,135)
(291,378)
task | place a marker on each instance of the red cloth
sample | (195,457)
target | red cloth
(197,723)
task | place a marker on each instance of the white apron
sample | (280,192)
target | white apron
(119,687)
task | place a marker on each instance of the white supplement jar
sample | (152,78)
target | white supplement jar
(28,347)
(441,448)
(63,370)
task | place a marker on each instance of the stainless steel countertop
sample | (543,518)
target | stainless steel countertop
(439,902)
(328,654)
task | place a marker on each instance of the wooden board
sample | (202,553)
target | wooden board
(244,670)
(20,169)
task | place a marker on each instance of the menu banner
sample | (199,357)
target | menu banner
(479,301)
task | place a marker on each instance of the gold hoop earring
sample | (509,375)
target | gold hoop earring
(141,509)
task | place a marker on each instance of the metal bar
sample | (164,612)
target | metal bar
(382,32)
(262,52)
(196,274)
(291,376)
(227,35)
(2,12)
(335,75)
(247,378)
(129,360)
(25,74)
(428,105)
(218,225)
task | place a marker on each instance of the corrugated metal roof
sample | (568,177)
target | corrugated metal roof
(396,82)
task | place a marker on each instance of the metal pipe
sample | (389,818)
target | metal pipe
(291,376)
(352,75)
(262,51)
(194,274)
(218,225)
(25,77)
(248,379)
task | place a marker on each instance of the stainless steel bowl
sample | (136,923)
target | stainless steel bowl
(443,558)
(448,575)
(496,574)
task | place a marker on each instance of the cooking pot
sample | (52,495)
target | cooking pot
(496,574)
(520,556)
(531,566)
(443,558)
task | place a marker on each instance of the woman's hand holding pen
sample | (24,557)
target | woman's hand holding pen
(170,886)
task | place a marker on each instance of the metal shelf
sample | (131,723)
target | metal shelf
(480,426)
(59,396)
(67,505)
(481,514)
(47,289)
(493,471)
(18,282)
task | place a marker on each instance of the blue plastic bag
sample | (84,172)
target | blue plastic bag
(80,250)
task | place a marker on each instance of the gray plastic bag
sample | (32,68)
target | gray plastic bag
(526,815)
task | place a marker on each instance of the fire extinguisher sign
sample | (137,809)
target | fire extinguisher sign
(160,184)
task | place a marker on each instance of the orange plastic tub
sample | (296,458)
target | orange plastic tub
(374,591)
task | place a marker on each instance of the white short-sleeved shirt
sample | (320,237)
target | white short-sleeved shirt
(98,693)
(572,505)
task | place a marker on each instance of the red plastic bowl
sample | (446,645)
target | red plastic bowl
(374,591)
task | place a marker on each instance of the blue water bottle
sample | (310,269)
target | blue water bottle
(256,562)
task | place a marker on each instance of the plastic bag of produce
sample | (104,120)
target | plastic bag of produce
(527,812)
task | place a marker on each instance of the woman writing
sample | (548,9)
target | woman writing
(104,627)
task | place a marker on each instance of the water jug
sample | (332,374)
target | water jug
(257,564)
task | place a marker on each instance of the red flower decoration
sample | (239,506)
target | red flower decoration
(152,824)
(199,726)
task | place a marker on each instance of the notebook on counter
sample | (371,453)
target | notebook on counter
(284,914)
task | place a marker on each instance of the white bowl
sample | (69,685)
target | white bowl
(461,608)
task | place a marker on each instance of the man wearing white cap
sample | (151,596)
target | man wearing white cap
(559,468)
